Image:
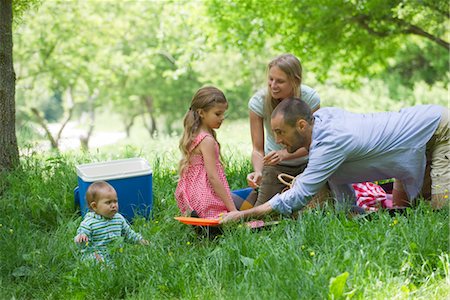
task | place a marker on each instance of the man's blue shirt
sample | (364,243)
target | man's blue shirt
(349,148)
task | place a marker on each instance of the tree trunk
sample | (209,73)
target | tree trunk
(84,139)
(67,113)
(41,121)
(9,151)
(151,127)
(129,122)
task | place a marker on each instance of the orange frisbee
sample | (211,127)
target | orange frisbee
(198,221)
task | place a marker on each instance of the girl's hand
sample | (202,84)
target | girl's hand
(81,238)
(254,179)
(230,216)
(273,158)
(144,242)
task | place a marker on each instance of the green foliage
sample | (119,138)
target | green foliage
(416,62)
(357,38)
(107,56)
(134,65)
(21,6)
(337,285)
(322,252)
(53,108)
(378,95)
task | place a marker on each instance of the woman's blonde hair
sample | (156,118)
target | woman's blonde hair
(292,67)
(205,99)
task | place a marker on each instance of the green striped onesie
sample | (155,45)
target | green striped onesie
(101,232)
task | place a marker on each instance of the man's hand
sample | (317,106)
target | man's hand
(230,216)
(254,179)
(257,211)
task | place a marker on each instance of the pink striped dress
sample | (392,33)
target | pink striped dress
(194,191)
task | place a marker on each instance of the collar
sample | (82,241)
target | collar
(94,215)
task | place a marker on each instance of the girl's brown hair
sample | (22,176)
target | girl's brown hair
(292,67)
(205,99)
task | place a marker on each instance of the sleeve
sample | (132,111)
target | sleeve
(310,96)
(85,228)
(256,103)
(130,235)
(324,160)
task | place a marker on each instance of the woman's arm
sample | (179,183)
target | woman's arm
(207,148)
(257,134)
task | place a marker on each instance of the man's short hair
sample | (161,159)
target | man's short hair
(293,109)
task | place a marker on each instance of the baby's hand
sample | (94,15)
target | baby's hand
(144,242)
(81,238)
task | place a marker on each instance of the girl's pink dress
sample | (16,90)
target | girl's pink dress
(194,191)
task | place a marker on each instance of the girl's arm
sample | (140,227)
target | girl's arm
(257,134)
(207,148)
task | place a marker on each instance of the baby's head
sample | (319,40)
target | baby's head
(101,198)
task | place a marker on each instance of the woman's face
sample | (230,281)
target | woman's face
(279,85)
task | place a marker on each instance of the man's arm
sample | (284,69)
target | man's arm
(261,210)
(324,159)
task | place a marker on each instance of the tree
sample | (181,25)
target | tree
(358,38)
(130,58)
(138,59)
(9,151)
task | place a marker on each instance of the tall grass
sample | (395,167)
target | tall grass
(322,254)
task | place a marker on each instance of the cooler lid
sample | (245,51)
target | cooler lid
(116,169)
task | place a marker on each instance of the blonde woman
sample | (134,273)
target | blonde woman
(268,158)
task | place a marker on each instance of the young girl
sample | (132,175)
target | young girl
(203,187)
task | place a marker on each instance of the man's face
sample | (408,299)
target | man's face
(293,138)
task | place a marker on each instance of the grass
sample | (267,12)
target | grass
(323,254)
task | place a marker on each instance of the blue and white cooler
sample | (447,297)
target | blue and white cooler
(132,179)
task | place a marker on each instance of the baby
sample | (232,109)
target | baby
(103,224)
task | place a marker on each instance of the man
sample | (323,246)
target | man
(346,148)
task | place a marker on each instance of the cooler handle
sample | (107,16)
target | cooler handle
(76,196)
